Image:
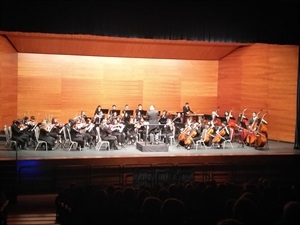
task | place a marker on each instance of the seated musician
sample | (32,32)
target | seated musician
(19,134)
(169,129)
(222,133)
(178,123)
(56,126)
(130,132)
(141,129)
(106,134)
(194,135)
(117,130)
(77,136)
(125,118)
(46,136)
(90,132)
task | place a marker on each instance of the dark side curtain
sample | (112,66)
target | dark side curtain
(297,130)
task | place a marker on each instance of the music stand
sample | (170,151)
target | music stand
(104,111)
(207,117)
(143,112)
(129,112)
(223,119)
(117,111)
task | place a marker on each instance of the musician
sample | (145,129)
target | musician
(113,107)
(163,117)
(186,109)
(222,133)
(252,120)
(56,126)
(131,134)
(126,107)
(214,115)
(117,130)
(106,134)
(138,111)
(77,136)
(28,126)
(46,136)
(98,115)
(90,132)
(152,116)
(141,129)
(19,135)
(138,117)
(82,117)
(126,118)
(178,122)
(168,130)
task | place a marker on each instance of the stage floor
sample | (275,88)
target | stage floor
(273,148)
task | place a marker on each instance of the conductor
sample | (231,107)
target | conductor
(152,116)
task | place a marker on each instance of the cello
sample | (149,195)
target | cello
(219,135)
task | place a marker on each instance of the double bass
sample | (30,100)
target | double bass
(261,134)
(242,125)
(251,137)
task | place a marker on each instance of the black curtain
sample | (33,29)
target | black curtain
(213,21)
(297,130)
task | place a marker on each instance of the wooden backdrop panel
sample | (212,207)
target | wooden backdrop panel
(82,83)
(8,83)
(264,78)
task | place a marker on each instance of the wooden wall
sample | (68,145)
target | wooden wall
(8,83)
(262,77)
(256,77)
(62,85)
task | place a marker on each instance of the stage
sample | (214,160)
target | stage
(51,171)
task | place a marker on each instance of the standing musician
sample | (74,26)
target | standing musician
(186,109)
(98,115)
(252,126)
(215,117)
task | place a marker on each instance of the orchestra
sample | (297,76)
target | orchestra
(127,127)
